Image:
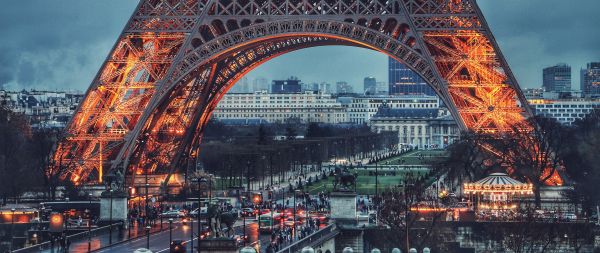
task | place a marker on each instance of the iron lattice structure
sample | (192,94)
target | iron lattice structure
(147,107)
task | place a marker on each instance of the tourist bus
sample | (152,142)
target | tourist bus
(269,221)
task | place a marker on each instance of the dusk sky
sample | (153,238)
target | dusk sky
(60,44)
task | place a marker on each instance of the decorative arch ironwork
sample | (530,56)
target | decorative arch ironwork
(147,107)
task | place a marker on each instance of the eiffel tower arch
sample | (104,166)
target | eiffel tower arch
(147,107)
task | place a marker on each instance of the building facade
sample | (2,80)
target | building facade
(343,87)
(404,81)
(291,85)
(43,109)
(565,111)
(590,80)
(424,128)
(261,106)
(369,86)
(557,78)
(362,108)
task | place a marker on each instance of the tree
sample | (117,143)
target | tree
(582,163)
(314,130)
(262,135)
(290,133)
(41,147)
(15,176)
(467,157)
(409,227)
(534,152)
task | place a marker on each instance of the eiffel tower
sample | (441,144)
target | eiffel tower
(148,106)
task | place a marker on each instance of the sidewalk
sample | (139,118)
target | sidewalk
(99,239)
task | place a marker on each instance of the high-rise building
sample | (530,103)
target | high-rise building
(291,85)
(241,86)
(382,88)
(260,83)
(325,88)
(404,81)
(590,80)
(370,85)
(557,78)
(343,87)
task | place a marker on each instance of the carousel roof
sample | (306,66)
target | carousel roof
(498,179)
(498,182)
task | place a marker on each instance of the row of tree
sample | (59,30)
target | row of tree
(24,157)
(261,156)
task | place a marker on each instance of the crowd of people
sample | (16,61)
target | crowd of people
(285,236)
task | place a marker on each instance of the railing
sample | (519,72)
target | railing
(46,245)
(315,238)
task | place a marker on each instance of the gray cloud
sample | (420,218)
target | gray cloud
(60,44)
(57,44)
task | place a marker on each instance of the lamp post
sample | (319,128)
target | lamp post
(147,237)
(295,193)
(244,224)
(129,221)
(376,178)
(110,219)
(89,227)
(306,197)
(146,201)
(192,230)
(201,185)
(12,227)
(170,233)
(248,176)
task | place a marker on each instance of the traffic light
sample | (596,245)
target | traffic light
(57,223)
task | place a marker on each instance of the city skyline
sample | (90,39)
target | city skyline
(65,44)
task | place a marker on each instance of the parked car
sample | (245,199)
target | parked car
(172,214)
(194,213)
(248,212)
(569,216)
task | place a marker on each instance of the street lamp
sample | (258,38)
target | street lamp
(110,218)
(146,202)
(295,193)
(87,211)
(248,176)
(129,221)
(12,227)
(171,232)
(244,219)
(147,237)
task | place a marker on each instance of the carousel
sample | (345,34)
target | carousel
(497,192)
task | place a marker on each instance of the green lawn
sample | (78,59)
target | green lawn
(418,157)
(365,183)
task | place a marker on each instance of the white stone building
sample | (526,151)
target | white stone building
(361,109)
(42,108)
(425,128)
(276,108)
(565,111)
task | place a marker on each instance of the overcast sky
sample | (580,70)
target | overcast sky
(60,44)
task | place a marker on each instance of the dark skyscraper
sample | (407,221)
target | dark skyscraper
(404,81)
(291,85)
(370,85)
(557,78)
(590,80)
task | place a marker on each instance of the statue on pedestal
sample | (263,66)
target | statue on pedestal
(344,180)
